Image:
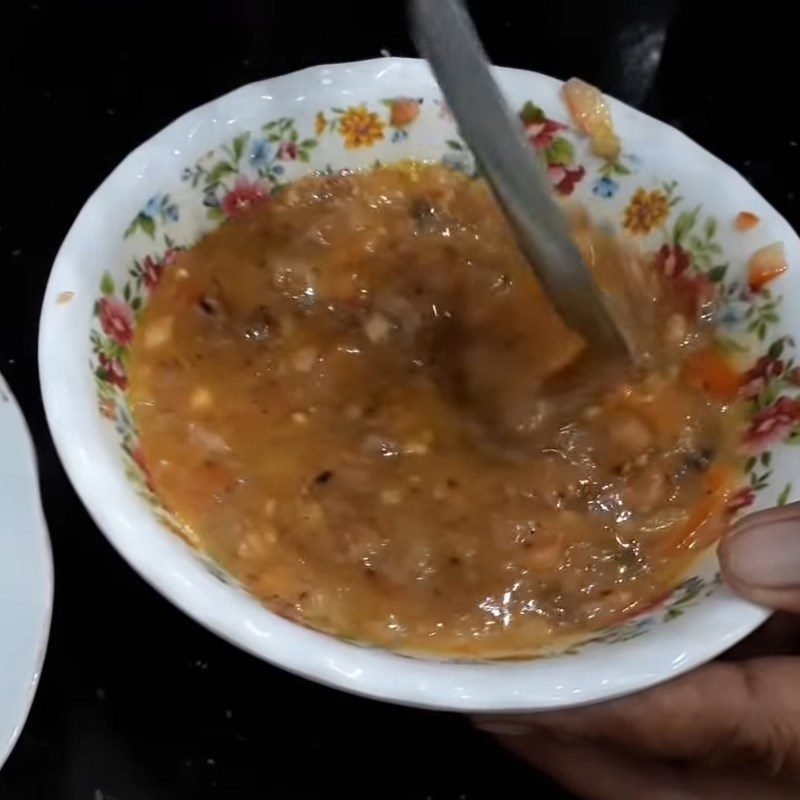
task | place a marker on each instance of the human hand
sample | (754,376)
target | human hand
(730,729)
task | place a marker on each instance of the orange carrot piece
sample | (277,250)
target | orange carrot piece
(746,221)
(710,371)
(404,111)
(765,265)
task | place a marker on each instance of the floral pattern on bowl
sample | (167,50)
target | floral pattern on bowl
(682,239)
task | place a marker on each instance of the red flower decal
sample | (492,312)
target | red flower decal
(755,380)
(151,273)
(743,498)
(116,319)
(772,425)
(672,260)
(565,179)
(541,134)
(171,256)
(113,371)
(244,196)
(152,270)
(287,151)
(694,291)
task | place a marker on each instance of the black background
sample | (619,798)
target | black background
(136,701)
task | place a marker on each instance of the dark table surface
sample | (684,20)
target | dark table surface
(137,702)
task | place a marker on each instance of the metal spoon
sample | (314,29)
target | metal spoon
(445,35)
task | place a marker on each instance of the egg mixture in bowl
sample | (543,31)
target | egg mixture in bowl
(353,397)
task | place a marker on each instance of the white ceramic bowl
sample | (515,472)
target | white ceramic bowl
(26,573)
(665,190)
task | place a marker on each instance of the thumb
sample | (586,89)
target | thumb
(760,557)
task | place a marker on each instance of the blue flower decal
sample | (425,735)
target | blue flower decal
(210,199)
(605,187)
(733,312)
(153,207)
(260,152)
(158,207)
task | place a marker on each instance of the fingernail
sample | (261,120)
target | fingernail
(766,555)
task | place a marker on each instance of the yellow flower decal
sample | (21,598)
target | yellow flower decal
(320,123)
(646,211)
(360,128)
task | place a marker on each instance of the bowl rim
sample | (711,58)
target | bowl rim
(34,512)
(524,685)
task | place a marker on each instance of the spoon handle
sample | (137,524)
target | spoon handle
(445,35)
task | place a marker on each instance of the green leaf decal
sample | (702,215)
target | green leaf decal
(618,168)
(684,225)
(560,153)
(148,225)
(239,144)
(530,113)
(717,274)
(219,170)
